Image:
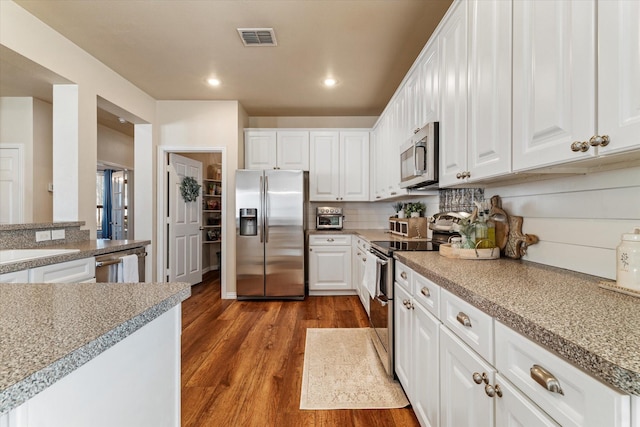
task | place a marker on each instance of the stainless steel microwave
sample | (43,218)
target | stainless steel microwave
(419,159)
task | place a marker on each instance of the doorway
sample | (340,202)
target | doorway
(211,203)
(114,202)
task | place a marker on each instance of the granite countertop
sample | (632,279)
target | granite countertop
(564,311)
(368,234)
(88,248)
(49,330)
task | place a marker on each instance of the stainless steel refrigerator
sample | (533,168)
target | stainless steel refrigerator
(270,234)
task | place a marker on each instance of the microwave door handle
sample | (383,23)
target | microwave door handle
(420,169)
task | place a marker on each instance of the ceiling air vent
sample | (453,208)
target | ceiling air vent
(257,36)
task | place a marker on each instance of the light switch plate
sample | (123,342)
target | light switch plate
(57,234)
(42,236)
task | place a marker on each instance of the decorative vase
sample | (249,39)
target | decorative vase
(400,214)
(415,214)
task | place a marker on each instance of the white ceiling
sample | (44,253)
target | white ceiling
(169,48)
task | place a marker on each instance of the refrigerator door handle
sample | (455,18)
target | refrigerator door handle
(260,225)
(266,209)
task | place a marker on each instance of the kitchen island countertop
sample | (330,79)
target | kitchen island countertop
(86,248)
(564,311)
(49,330)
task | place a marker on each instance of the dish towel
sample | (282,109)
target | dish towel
(370,278)
(128,269)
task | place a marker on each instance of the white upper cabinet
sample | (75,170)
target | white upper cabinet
(554,84)
(277,149)
(489,133)
(452,44)
(260,149)
(619,74)
(429,97)
(339,166)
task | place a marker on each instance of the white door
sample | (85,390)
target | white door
(117,205)
(11,186)
(463,401)
(293,150)
(513,409)
(324,167)
(554,66)
(260,149)
(403,334)
(329,268)
(426,368)
(185,221)
(354,166)
(618,71)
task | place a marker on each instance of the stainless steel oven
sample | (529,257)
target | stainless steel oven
(381,310)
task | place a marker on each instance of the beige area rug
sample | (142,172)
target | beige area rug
(342,371)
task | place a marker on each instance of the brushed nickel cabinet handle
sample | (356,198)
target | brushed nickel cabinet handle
(330,240)
(477,378)
(546,379)
(489,390)
(463,319)
(425,291)
(459,175)
(498,390)
(403,275)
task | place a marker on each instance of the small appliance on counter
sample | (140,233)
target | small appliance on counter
(329,218)
(442,225)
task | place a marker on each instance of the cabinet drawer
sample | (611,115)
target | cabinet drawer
(469,323)
(584,401)
(21,276)
(362,243)
(403,276)
(426,293)
(65,272)
(329,239)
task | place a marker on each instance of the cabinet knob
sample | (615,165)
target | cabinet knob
(404,275)
(459,175)
(579,146)
(330,240)
(425,291)
(598,140)
(464,319)
(492,391)
(480,378)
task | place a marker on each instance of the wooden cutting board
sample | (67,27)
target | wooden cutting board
(502,227)
(518,242)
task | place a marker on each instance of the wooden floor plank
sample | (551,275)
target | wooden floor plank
(242,361)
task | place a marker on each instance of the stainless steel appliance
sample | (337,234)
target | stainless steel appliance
(381,306)
(270,234)
(107,265)
(329,218)
(419,159)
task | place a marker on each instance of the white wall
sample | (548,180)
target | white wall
(313,122)
(29,37)
(579,218)
(208,126)
(28,121)
(115,147)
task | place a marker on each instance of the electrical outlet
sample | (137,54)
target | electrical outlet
(42,236)
(57,234)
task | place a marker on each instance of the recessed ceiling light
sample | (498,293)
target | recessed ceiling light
(330,82)
(213,82)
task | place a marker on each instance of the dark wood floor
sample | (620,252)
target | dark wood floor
(242,361)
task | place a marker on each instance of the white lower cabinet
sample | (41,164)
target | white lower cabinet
(21,276)
(464,378)
(358,264)
(75,271)
(445,362)
(514,409)
(330,265)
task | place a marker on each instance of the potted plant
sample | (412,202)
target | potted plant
(414,209)
(398,208)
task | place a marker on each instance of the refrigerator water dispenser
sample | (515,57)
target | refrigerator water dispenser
(248,222)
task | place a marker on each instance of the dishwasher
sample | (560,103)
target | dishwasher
(107,265)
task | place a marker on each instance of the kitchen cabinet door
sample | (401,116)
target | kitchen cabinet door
(260,149)
(489,144)
(618,71)
(514,409)
(426,367)
(74,271)
(452,45)
(324,168)
(15,277)
(292,150)
(554,67)
(354,166)
(404,351)
(429,86)
(463,401)
(330,268)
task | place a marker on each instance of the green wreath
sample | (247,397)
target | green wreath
(190,189)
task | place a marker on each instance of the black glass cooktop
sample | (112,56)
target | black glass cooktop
(404,245)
